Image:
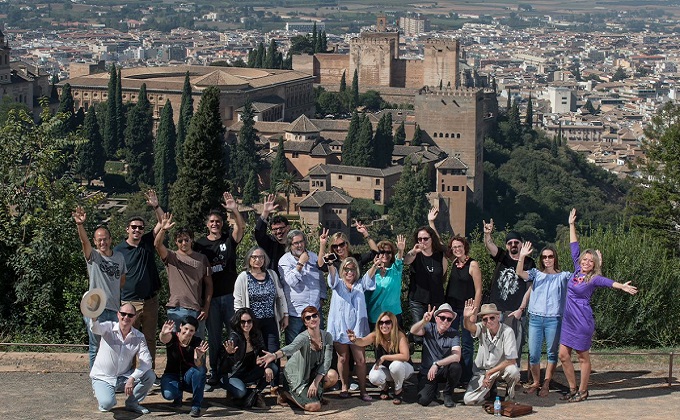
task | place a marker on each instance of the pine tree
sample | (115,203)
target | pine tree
(66,106)
(400,134)
(251,193)
(200,182)
(349,145)
(111,143)
(343,82)
(279,168)
(139,141)
(164,162)
(355,90)
(91,158)
(245,159)
(186,112)
(120,111)
(417,139)
(529,122)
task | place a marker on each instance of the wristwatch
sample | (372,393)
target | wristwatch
(436,364)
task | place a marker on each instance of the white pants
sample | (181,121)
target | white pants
(476,391)
(397,372)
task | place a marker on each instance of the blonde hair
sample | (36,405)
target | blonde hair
(347,261)
(393,346)
(597,264)
(340,235)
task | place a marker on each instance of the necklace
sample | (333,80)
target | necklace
(460,264)
(429,268)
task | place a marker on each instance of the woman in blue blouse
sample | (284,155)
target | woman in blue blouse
(387,294)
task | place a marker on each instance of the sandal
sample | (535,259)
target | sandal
(579,396)
(366,397)
(384,395)
(532,389)
(568,396)
(343,394)
(397,398)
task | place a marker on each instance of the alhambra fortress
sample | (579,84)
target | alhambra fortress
(454,118)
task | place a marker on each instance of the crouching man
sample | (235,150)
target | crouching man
(113,368)
(496,356)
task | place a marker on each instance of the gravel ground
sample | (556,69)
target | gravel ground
(56,386)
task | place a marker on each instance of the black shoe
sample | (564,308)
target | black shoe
(448,400)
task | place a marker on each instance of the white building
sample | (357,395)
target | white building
(561,99)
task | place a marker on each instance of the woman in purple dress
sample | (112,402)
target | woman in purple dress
(578,323)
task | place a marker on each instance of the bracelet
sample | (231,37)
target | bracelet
(156,207)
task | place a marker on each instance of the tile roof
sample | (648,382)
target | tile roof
(302,125)
(354,170)
(317,199)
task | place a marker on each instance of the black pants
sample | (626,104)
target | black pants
(427,390)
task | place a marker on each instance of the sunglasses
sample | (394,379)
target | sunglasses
(125,314)
(445,318)
(488,318)
(548,257)
(349,270)
(385,252)
(423,238)
(310,317)
(137,227)
(257,257)
(386,322)
(340,245)
(246,321)
(279,229)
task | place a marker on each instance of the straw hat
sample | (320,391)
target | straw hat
(93,303)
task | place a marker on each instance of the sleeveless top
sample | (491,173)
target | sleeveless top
(461,286)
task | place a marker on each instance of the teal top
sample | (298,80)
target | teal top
(387,293)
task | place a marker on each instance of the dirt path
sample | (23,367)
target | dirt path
(56,386)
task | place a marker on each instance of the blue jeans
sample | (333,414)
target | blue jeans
(544,328)
(221,312)
(193,381)
(467,348)
(106,393)
(94,339)
(296,326)
(178,314)
(237,387)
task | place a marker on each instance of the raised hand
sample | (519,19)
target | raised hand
(469,309)
(323,238)
(488,227)
(229,346)
(401,242)
(572,216)
(151,198)
(202,349)
(166,222)
(432,214)
(526,249)
(269,205)
(79,215)
(168,327)
(361,228)
(229,202)
(427,316)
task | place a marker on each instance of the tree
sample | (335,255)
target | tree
(251,193)
(66,107)
(383,144)
(371,100)
(589,107)
(91,157)
(417,139)
(186,112)
(508,103)
(315,39)
(164,162)
(120,111)
(139,141)
(260,56)
(355,90)
(245,159)
(364,146)
(328,103)
(8,105)
(111,141)
(409,206)
(318,44)
(200,182)
(279,168)
(529,122)
(351,139)
(343,82)
(400,134)
(270,59)
(620,74)
(654,202)
(288,186)
(324,42)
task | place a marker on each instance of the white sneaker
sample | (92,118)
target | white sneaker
(136,408)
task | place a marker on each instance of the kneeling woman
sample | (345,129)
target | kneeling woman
(391,355)
(238,365)
(307,372)
(185,369)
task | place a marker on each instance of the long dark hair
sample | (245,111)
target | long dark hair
(437,245)
(255,333)
(556,265)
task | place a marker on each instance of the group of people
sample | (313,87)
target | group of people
(282,289)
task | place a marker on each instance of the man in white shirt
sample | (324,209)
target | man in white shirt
(113,368)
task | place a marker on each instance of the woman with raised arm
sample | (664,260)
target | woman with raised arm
(239,365)
(578,323)
(307,371)
(546,306)
(391,355)
(387,293)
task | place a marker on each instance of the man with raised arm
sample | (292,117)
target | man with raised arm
(106,270)
(274,244)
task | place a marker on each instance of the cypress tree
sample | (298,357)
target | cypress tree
(279,168)
(186,112)
(91,158)
(111,126)
(139,141)
(349,145)
(245,159)
(270,59)
(250,191)
(383,143)
(120,111)
(529,122)
(364,149)
(508,104)
(315,39)
(417,139)
(66,106)
(200,182)
(355,90)
(324,42)
(260,56)
(164,162)
(79,118)
(400,134)
(408,206)
(343,82)
(252,55)
(318,45)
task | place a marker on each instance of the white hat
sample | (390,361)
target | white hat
(445,307)
(93,303)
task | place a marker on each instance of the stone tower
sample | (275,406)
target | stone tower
(5,69)
(440,65)
(374,54)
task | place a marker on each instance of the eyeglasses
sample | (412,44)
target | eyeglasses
(445,318)
(257,257)
(511,243)
(183,240)
(312,316)
(457,247)
(423,238)
(298,243)
(340,245)
(246,321)
(125,314)
(386,322)
(279,229)
(488,318)
(548,257)
(137,227)
(385,252)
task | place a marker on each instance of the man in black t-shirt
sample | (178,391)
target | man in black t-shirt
(509,292)
(220,249)
(275,244)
